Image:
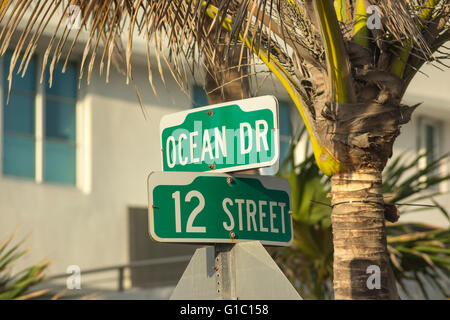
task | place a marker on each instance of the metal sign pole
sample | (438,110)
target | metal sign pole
(241,269)
(233,271)
(225,271)
(224,260)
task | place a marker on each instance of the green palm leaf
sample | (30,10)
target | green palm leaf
(15,285)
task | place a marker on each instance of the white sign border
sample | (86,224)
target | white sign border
(247,105)
(185,178)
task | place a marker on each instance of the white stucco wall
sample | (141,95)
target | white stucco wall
(88,225)
(431,87)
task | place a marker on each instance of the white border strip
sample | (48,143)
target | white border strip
(185,178)
(253,104)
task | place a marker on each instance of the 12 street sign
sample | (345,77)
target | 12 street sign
(219,208)
(225,137)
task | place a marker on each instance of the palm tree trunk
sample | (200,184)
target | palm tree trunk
(361,265)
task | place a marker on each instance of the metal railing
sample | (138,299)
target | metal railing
(121,268)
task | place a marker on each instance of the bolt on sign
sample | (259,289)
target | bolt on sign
(225,137)
(219,208)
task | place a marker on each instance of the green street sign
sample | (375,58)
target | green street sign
(226,137)
(219,208)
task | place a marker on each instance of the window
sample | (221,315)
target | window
(429,142)
(60,132)
(19,143)
(39,125)
(284,122)
(141,247)
(285,130)
(199,97)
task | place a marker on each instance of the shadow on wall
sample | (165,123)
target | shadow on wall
(168,95)
(142,247)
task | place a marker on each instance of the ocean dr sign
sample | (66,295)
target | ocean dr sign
(219,208)
(226,137)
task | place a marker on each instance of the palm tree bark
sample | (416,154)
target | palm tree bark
(360,133)
(361,264)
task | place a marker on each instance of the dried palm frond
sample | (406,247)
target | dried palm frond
(309,45)
(346,80)
(181,29)
(399,19)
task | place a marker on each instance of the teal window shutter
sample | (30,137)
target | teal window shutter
(60,126)
(18,154)
(285,130)
(199,97)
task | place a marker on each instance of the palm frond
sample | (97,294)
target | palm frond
(316,57)
(16,285)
